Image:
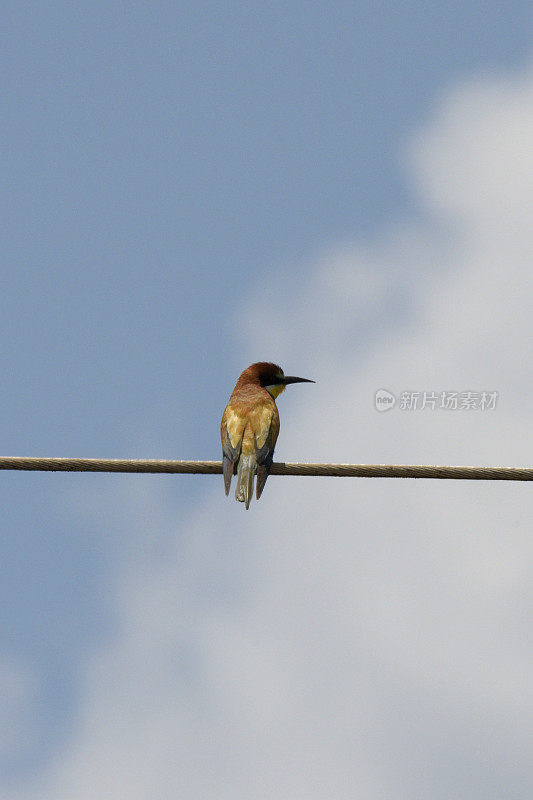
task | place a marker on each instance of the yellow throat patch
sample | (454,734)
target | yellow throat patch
(275,390)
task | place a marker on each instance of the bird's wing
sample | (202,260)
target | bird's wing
(231,432)
(265,443)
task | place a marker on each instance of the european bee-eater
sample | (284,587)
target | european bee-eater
(250,427)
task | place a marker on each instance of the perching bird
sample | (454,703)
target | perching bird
(250,427)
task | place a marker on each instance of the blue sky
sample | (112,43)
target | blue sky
(165,167)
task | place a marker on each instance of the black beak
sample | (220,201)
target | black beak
(291,379)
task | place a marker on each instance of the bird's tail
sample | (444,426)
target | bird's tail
(245,478)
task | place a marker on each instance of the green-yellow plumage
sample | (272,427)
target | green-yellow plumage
(250,427)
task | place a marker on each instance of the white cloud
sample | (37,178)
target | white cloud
(352,638)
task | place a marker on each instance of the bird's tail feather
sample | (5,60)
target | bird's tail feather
(245,479)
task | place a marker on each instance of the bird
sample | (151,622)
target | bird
(250,427)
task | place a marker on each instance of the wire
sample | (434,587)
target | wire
(279,468)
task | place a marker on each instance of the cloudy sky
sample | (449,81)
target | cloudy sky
(345,189)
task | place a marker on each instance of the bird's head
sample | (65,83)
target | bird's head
(270,377)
